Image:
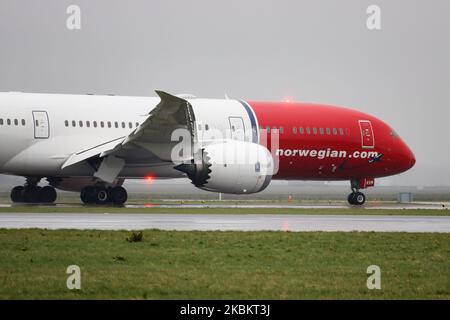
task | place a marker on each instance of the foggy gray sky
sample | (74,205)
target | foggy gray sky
(318,51)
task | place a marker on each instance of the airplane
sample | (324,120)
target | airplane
(92,143)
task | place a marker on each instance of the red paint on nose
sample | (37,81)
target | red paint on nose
(412,160)
(408,160)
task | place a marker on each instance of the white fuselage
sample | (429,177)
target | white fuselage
(39,132)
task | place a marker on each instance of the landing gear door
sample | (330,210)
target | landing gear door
(367,137)
(237,128)
(41,125)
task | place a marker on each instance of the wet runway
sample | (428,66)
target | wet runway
(371,206)
(228,222)
(249,205)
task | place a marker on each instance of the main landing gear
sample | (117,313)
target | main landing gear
(103,195)
(32,193)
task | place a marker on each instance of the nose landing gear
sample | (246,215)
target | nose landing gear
(356,198)
(103,195)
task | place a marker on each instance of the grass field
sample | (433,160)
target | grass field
(221,265)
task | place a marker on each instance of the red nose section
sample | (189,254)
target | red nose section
(408,160)
(412,160)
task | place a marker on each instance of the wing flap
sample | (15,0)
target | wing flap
(92,152)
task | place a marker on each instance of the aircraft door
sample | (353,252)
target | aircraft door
(367,137)
(237,128)
(41,125)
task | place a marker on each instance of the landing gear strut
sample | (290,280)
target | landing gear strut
(32,193)
(103,195)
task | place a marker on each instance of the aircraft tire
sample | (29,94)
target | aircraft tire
(88,194)
(351,198)
(101,195)
(30,194)
(17,194)
(359,198)
(118,195)
(356,198)
(47,194)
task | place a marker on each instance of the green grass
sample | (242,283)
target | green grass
(229,210)
(223,265)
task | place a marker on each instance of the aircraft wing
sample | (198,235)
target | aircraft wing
(151,136)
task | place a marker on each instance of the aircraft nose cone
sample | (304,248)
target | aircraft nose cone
(409,159)
(412,160)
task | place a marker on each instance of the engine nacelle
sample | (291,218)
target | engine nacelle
(231,166)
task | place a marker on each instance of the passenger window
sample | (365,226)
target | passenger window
(347,131)
(268,129)
(123,125)
(116,124)
(137,124)
(206,127)
(23,122)
(308,130)
(88,124)
(95,124)
(1,122)
(321,131)
(80,123)
(74,124)
(315,130)
(294,129)
(16,122)
(109,124)
(281,130)
(341,131)
(301,130)
(66,123)
(334,131)
(130,125)
(328,131)
(102,124)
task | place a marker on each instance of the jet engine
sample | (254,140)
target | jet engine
(230,166)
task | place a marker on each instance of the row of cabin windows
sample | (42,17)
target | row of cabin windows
(102,124)
(313,130)
(321,131)
(301,130)
(10,122)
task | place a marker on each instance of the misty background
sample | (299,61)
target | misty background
(315,51)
